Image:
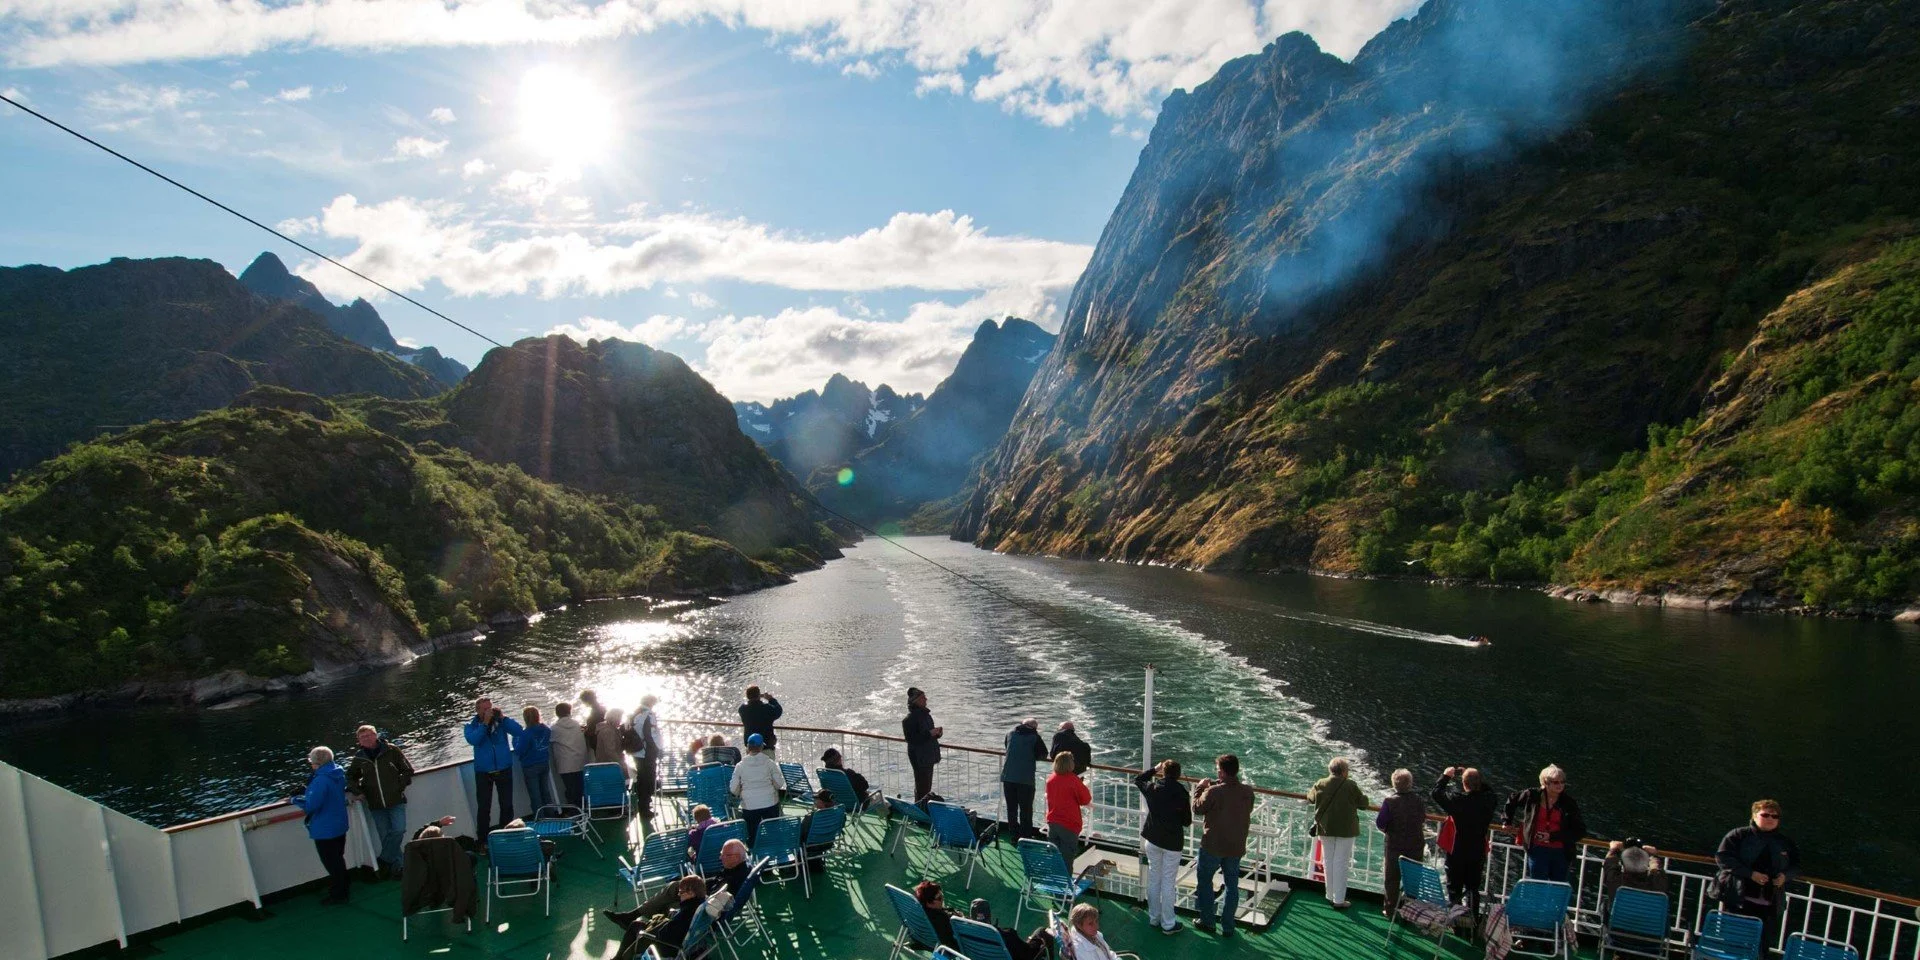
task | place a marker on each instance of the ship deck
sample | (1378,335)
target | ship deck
(848,917)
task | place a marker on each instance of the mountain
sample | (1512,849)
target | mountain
(357,321)
(928,457)
(1412,309)
(624,420)
(102,347)
(825,428)
(284,535)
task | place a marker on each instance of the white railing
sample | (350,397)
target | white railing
(74,874)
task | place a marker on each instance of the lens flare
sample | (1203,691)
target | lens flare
(845,477)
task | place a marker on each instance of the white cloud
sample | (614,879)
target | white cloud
(654,331)
(945,81)
(133,98)
(860,68)
(408,243)
(240,84)
(442,115)
(293,95)
(534,188)
(295,226)
(475,168)
(1051,59)
(701,300)
(418,147)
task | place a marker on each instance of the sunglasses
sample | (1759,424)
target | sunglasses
(1768,816)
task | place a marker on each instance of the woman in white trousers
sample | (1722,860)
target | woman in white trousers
(1169,814)
(1337,802)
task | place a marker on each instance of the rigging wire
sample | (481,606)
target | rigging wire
(115,153)
(976,583)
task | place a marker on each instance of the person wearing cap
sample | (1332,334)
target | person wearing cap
(923,742)
(757,716)
(1037,946)
(1024,749)
(759,784)
(1068,739)
(867,795)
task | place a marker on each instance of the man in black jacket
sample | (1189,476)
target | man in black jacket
(1472,811)
(667,930)
(1024,750)
(757,716)
(923,742)
(379,776)
(1756,861)
(1067,739)
(1169,814)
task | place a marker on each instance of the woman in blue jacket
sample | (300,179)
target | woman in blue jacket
(325,803)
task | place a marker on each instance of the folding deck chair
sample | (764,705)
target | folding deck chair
(1424,904)
(916,931)
(663,859)
(1800,946)
(604,791)
(1728,936)
(708,862)
(799,789)
(1636,924)
(742,904)
(908,814)
(823,830)
(836,781)
(1537,910)
(952,829)
(1047,877)
(514,860)
(980,941)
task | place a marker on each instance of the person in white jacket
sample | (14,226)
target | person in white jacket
(568,754)
(1084,941)
(758,783)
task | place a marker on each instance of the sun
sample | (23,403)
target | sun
(566,117)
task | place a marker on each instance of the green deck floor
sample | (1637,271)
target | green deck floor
(847,918)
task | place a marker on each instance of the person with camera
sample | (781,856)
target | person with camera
(1169,813)
(378,777)
(1226,805)
(757,716)
(1549,825)
(491,732)
(324,800)
(1630,863)
(1471,805)
(1756,861)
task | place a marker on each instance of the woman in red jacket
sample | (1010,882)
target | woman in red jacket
(1066,794)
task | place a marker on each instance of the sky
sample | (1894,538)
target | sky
(775,190)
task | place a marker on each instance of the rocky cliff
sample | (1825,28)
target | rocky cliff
(928,457)
(819,429)
(357,321)
(1348,315)
(99,348)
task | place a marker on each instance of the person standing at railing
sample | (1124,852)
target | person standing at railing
(567,750)
(1066,796)
(604,741)
(1068,739)
(923,742)
(1169,814)
(1756,862)
(1549,825)
(759,784)
(325,803)
(1024,750)
(533,747)
(1227,806)
(378,776)
(1337,802)
(757,716)
(643,740)
(1403,818)
(489,733)
(1630,863)
(596,714)
(1472,810)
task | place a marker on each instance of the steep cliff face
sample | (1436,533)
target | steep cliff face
(128,341)
(1344,312)
(812,430)
(625,419)
(929,457)
(357,321)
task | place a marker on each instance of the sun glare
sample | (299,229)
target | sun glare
(565,117)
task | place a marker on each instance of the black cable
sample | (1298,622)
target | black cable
(111,151)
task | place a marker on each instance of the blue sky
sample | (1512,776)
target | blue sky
(774,191)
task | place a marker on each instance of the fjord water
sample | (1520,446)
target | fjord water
(1669,722)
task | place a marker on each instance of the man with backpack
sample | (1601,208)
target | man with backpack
(643,741)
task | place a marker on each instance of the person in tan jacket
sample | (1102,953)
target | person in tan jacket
(1227,806)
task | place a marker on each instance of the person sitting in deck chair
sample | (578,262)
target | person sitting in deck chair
(1037,946)
(666,930)
(934,902)
(868,795)
(733,872)
(1083,941)
(702,819)
(717,751)
(823,799)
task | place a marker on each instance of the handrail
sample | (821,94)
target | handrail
(1127,771)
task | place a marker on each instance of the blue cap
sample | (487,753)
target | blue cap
(756,740)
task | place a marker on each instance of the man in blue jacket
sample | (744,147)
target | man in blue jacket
(489,731)
(325,803)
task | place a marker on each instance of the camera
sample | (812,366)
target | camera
(1633,842)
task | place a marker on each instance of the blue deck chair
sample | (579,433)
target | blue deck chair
(1537,910)
(948,953)
(716,837)
(663,858)
(708,785)
(836,781)
(1803,947)
(980,941)
(698,943)
(554,821)
(916,931)
(1636,924)
(823,830)
(777,844)
(604,791)
(1047,878)
(952,829)
(514,860)
(1728,936)
(1422,885)
(908,814)
(742,906)
(799,788)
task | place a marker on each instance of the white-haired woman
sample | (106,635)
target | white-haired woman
(1403,818)
(1337,802)
(325,804)
(1548,823)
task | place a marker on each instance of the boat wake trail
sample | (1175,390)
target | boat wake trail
(1368,626)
